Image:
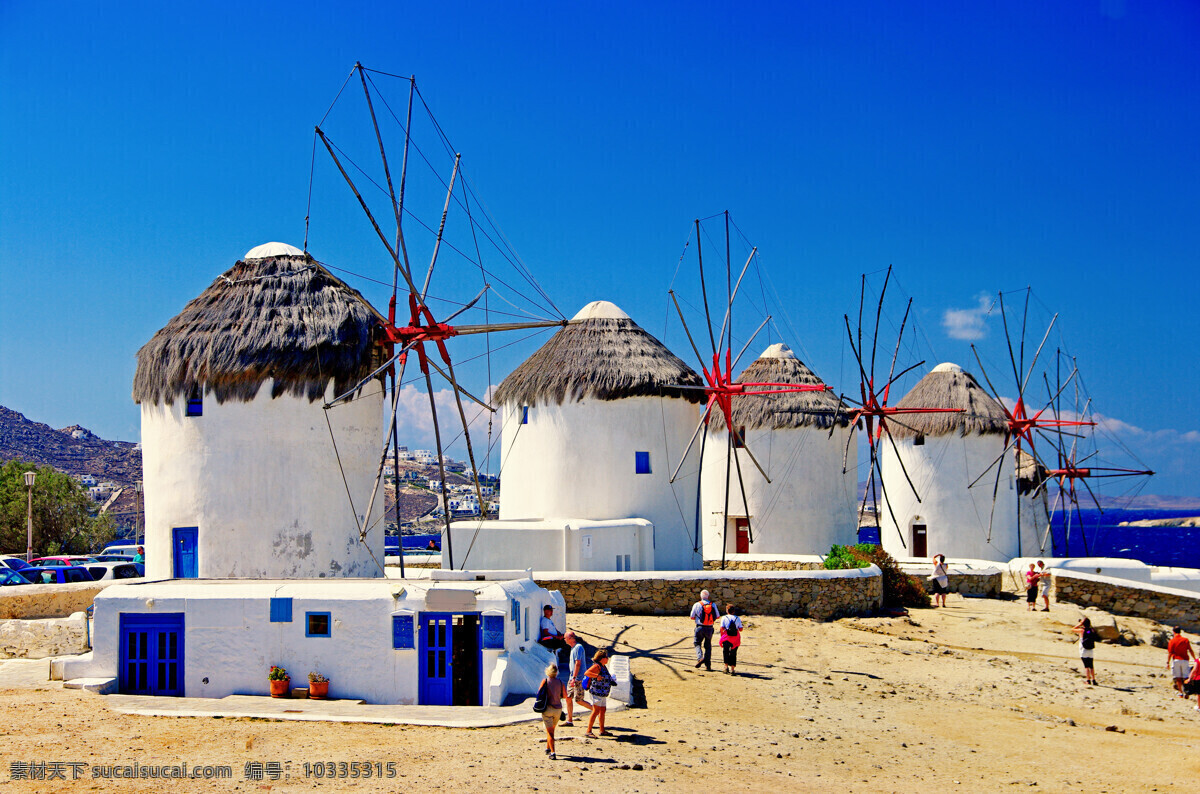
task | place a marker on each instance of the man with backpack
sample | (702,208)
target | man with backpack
(705,614)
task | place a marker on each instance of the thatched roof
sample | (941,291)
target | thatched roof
(778,364)
(947,386)
(602,355)
(276,314)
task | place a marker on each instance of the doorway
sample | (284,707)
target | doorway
(450,664)
(741,535)
(151,654)
(183,552)
(920,545)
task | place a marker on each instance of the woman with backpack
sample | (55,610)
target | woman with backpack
(1087,645)
(549,703)
(731,637)
(600,683)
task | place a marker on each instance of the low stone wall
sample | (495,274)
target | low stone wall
(821,595)
(38,639)
(28,602)
(987,582)
(1122,597)
(765,565)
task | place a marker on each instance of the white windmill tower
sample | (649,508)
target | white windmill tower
(241,476)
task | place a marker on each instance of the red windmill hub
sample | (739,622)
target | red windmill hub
(722,389)
(414,335)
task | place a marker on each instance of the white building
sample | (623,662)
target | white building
(593,423)
(943,453)
(446,640)
(241,477)
(810,502)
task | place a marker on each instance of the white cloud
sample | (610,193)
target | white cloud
(968,324)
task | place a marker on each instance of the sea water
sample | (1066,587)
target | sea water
(1103,536)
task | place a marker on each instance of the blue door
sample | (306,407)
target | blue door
(437,670)
(151,660)
(183,548)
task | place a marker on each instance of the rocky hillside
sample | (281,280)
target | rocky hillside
(73,450)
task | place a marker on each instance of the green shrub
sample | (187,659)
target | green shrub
(843,557)
(899,589)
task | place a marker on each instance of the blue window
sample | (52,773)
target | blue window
(526,622)
(281,610)
(195,403)
(493,632)
(402,631)
(316,624)
(516,615)
(524,414)
(642,462)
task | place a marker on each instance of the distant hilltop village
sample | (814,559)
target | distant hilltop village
(109,471)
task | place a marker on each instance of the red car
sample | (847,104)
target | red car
(65,559)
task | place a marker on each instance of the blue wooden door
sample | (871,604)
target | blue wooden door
(183,548)
(151,658)
(437,671)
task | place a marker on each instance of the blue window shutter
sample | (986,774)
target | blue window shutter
(281,610)
(524,414)
(516,615)
(642,462)
(402,631)
(493,632)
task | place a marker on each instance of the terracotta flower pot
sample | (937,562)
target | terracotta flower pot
(279,689)
(318,690)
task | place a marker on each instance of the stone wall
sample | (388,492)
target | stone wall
(1122,597)
(38,639)
(821,595)
(33,601)
(765,565)
(966,581)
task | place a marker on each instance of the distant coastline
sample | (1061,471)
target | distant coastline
(1184,521)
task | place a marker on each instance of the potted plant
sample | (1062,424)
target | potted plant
(280,682)
(318,686)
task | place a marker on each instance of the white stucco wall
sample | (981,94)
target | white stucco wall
(956,517)
(261,483)
(809,505)
(565,544)
(577,460)
(230,641)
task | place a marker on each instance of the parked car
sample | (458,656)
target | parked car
(61,559)
(13,563)
(126,549)
(56,574)
(112,558)
(9,577)
(115,570)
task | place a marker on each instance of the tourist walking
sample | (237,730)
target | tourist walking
(1044,585)
(705,614)
(1031,588)
(1192,685)
(1087,645)
(575,679)
(941,580)
(731,637)
(1179,651)
(601,683)
(553,694)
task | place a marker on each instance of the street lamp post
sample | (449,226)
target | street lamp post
(137,527)
(29,477)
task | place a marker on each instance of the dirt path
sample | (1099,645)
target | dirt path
(979,696)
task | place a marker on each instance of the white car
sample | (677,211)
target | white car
(114,570)
(129,551)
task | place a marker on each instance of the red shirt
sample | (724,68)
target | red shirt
(1178,647)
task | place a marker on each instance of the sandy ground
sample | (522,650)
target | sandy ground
(980,696)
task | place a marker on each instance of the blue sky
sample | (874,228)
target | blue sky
(144,147)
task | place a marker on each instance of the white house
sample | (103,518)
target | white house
(943,453)
(241,477)
(593,423)
(810,502)
(450,639)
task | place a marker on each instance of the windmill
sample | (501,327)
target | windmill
(872,411)
(418,329)
(1024,424)
(721,389)
(1078,459)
